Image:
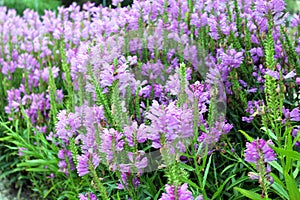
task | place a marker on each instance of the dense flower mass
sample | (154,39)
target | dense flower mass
(96,96)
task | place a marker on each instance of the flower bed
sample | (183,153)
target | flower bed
(160,100)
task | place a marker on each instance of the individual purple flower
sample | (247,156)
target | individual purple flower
(294,22)
(137,162)
(298,80)
(295,133)
(295,115)
(231,58)
(256,53)
(274,74)
(214,134)
(213,24)
(170,193)
(247,119)
(153,71)
(173,84)
(183,193)
(83,165)
(91,118)
(146,91)
(112,143)
(200,197)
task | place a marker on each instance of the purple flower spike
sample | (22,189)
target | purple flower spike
(259,149)
(182,193)
(83,163)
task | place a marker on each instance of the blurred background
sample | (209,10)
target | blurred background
(293,6)
(41,5)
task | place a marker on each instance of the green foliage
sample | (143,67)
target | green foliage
(37,5)
(293,6)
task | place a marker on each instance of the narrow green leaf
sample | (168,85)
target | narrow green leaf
(277,180)
(249,194)
(296,171)
(276,166)
(186,167)
(220,189)
(189,182)
(280,190)
(292,187)
(290,154)
(36,162)
(270,133)
(248,137)
(236,182)
(206,172)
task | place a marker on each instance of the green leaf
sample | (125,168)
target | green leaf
(157,194)
(289,153)
(189,182)
(229,167)
(220,189)
(236,182)
(277,180)
(248,137)
(7,138)
(206,172)
(249,194)
(296,171)
(36,162)
(276,166)
(186,167)
(270,133)
(280,190)
(292,187)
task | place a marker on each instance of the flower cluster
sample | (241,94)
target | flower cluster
(259,150)
(260,153)
(182,193)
